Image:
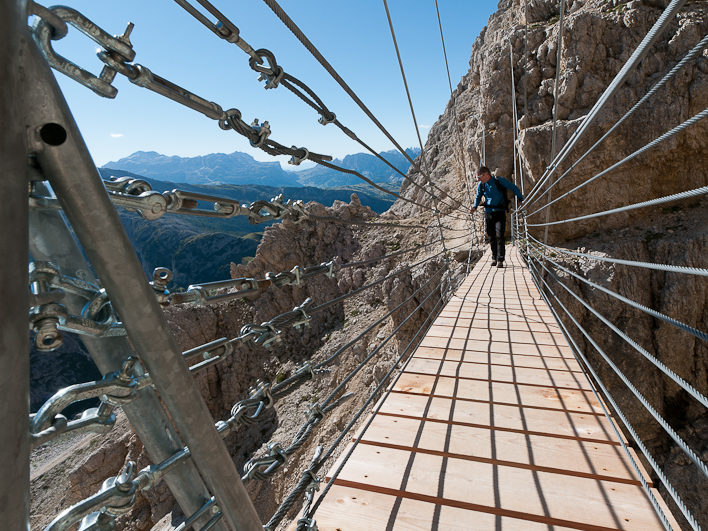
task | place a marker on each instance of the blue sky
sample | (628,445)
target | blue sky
(353,36)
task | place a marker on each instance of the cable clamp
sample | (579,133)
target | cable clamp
(262,130)
(294,160)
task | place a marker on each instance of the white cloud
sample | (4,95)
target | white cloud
(116,135)
(423,126)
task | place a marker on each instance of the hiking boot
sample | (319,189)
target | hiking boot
(500,263)
(494,263)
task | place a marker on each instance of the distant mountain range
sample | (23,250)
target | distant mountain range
(241,168)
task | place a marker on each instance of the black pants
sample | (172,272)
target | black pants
(496,225)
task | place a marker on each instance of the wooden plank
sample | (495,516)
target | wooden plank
(543,377)
(493,425)
(572,501)
(521,395)
(559,423)
(367,510)
(520,360)
(562,456)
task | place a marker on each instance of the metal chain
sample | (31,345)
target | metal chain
(264,467)
(117,54)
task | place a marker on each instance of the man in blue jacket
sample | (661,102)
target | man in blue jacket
(493,189)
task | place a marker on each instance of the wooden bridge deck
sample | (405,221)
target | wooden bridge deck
(493,425)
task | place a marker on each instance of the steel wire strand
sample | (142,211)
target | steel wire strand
(681,127)
(321,365)
(386,257)
(295,494)
(290,24)
(363,363)
(651,358)
(415,121)
(363,144)
(292,83)
(648,265)
(306,429)
(666,199)
(638,54)
(690,55)
(657,417)
(379,281)
(658,315)
(361,411)
(607,396)
(372,183)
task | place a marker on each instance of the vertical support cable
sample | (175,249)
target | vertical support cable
(426,174)
(515,135)
(14,341)
(458,133)
(65,158)
(555,110)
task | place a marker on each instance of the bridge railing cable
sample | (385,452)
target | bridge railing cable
(639,53)
(653,90)
(550,298)
(569,290)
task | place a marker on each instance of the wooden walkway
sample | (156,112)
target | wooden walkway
(493,425)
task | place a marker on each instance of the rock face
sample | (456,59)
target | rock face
(598,37)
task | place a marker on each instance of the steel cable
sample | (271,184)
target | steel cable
(648,356)
(690,55)
(638,54)
(358,415)
(363,363)
(666,199)
(607,396)
(681,127)
(290,24)
(652,411)
(375,283)
(648,265)
(415,121)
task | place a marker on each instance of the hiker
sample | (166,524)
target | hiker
(495,206)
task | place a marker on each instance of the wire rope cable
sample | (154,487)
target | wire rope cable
(639,53)
(648,265)
(648,356)
(690,55)
(642,399)
(608,396)
(679,128)
(666,199)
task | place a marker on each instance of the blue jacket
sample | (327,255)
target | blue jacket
(495,198)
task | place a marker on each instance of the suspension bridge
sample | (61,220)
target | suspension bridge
(491,416)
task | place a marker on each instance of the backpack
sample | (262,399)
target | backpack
(503,191)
